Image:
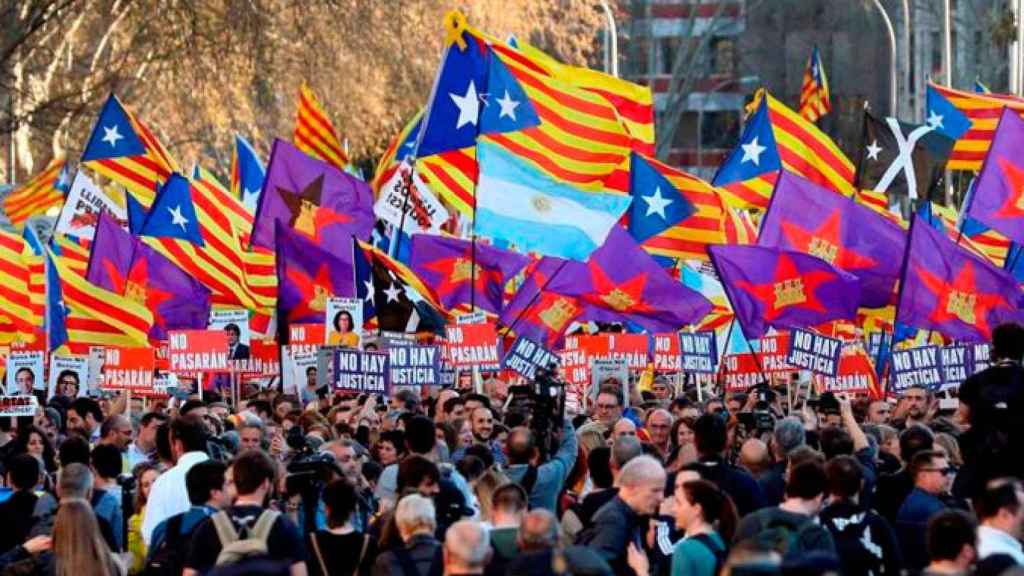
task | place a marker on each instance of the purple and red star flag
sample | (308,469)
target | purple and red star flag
(948,289)
(807,218)
(312,197)
(308,275)
(124,265)
(548,301)
(998,196)
(627,285)
(447,265)
(783,289)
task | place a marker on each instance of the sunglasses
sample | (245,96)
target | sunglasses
(947,471)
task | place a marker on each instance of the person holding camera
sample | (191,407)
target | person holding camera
(542,482)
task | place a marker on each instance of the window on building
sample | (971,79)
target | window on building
(686,131)
(936,64)
(723,56)
(720,129)
(668,51)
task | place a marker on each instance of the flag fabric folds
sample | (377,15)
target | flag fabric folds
(20,315)
(548,302)
(308,275)
(814,95)
(463,273)
(806,218)
(43,191)
(900,158)
(969,118)
(400,301)
(997,198)
(314,133)
(768,287)
(247,173)
(947,289)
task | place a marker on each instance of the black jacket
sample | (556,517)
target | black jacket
(865,542)
(615,526)
(424,552)
(734,481)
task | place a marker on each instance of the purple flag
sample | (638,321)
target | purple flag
(312,197)
(808,218)
(946,288)
(124,265)
(548,301)
(627,285)
(998,196)
(446,265)
(771,287)
(307,275)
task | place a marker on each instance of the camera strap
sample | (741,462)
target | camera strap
(529,479)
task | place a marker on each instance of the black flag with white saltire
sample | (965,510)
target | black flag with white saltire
(901,158)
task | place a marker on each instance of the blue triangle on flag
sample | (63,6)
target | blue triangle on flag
(364,282)
(756,153)
(453,119)
(113,135)
(136,215)
(657,204)
(944,117)
(251,173)
(173,215)
(507,107)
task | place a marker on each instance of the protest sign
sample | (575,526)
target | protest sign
(128,369)
(306,333)
(478,317)
(263,360)
(97,354)
(957,365)
(739,372)
(665,352)
(470,345)
(194,351)
(69,376)
(773,354)
(406,192)
(878,342)
(697,351)
(236,319)
(814,352)
(25,373)
(980,357)
(609,372)
(526,356)
(299,367)
(83,206)
(343,322)
(414,365)
(856,373)
(17,406)
(921,366)
(361,371)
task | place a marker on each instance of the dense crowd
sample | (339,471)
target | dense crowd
(454,481)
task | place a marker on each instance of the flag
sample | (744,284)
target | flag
(308,275)
(901,158)
(124,150)
(314,133)
(464,272)
(136,214)
(947,289)
(20,313)
(247,173)
(231,211)
(548,301)
(173,213)
(674,215)
(981,88)
(814,96)
(777,138)
(806,218)
(768,287)
(43,191)
(397,151)
(400,300)
(362,268)
(317,199)
(970,119)
(997,197)
(739,227)
(699,276)
(522,205)
(879,202)
(627,285)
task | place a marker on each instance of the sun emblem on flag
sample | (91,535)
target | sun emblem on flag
(541,204)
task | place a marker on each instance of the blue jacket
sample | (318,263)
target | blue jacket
(912,525)
(551,475)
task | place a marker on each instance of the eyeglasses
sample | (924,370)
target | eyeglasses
(607,406)
(945,471)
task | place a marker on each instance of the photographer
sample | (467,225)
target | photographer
(542,482)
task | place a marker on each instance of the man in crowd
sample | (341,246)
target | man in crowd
(789,434)
(952,544)
(609,406)
(659,426)
(932,477)
(250,436)
(466,548)
(879,412)
(1000,511)
(169,494)
(543,481)
(143,447)
(508,506)
(85,417)
(710,437)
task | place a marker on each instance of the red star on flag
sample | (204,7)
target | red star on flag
(137,286)
(960,299)
(788,288)
(314,292)
(622,297)
(1013,180)
(826,242)
(456,271)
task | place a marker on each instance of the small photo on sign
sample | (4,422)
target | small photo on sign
(25,373)
(69,376)
(344,322)
(235,323)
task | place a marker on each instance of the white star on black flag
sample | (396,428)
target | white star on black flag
(901,158)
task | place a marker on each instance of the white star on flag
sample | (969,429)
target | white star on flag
(508,106)
(111,135)
(177,218)
(935,120)
(369,291)
(392,293)
(752,152)
(873,150)
(469,106)
(656,203)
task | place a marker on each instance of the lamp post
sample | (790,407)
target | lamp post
(611,41)
(892,56)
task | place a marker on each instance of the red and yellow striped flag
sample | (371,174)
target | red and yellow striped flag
(983,111)
(314,133)
(20,314)
(44,191)
(814,96)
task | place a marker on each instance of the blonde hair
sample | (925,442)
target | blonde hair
(485,487)
(78,546)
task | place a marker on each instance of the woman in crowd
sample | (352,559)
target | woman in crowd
(145,474)
(340,549)
(78,546)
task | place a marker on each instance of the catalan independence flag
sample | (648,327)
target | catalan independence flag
(969,118)
(814,96)
(20,319)
(314,133)
(398,150)
(44,191)
(777,138)
(124,150)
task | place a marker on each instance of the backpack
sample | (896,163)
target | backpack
(168,558)
(720,554)
(788,539)
(234,548)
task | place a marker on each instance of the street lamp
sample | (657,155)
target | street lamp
(892,57)
(611,41)
(744,81)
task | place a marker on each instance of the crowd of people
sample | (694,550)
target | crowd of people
(454,481)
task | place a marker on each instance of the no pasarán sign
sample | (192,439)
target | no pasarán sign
(198,351)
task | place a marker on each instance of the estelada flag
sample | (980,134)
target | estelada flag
(783,289)
(948,289)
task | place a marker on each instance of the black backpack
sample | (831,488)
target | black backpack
(169,557)
(719,553)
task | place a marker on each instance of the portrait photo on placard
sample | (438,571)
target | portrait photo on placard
(344,322)
(236,324)
(69,376)
(25,373)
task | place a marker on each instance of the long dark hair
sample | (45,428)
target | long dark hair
(49,452)
(716,506)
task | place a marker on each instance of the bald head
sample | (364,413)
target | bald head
(520,445)
(623,427)
(754,456)
(466,548)
(539,531)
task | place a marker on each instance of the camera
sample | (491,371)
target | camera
(308,473)
(542,405)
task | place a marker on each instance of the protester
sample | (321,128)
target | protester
(543,481)
(1000,512)
(420,554)
(952,545)
(169,495)
(931,473)
(711,437)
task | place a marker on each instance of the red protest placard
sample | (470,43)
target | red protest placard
(473,345)
(856,374)
(666,353)
(194,351)
(739,372)
(263,360)
(774,350)
(128,369)
(307,333)
(633,348)
(579,351)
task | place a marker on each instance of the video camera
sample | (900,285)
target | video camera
(542,404)
(761,419)
(308,473)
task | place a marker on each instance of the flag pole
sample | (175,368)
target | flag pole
(899,297)
(728,296)
(536,297)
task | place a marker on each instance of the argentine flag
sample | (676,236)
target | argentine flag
(518,204)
